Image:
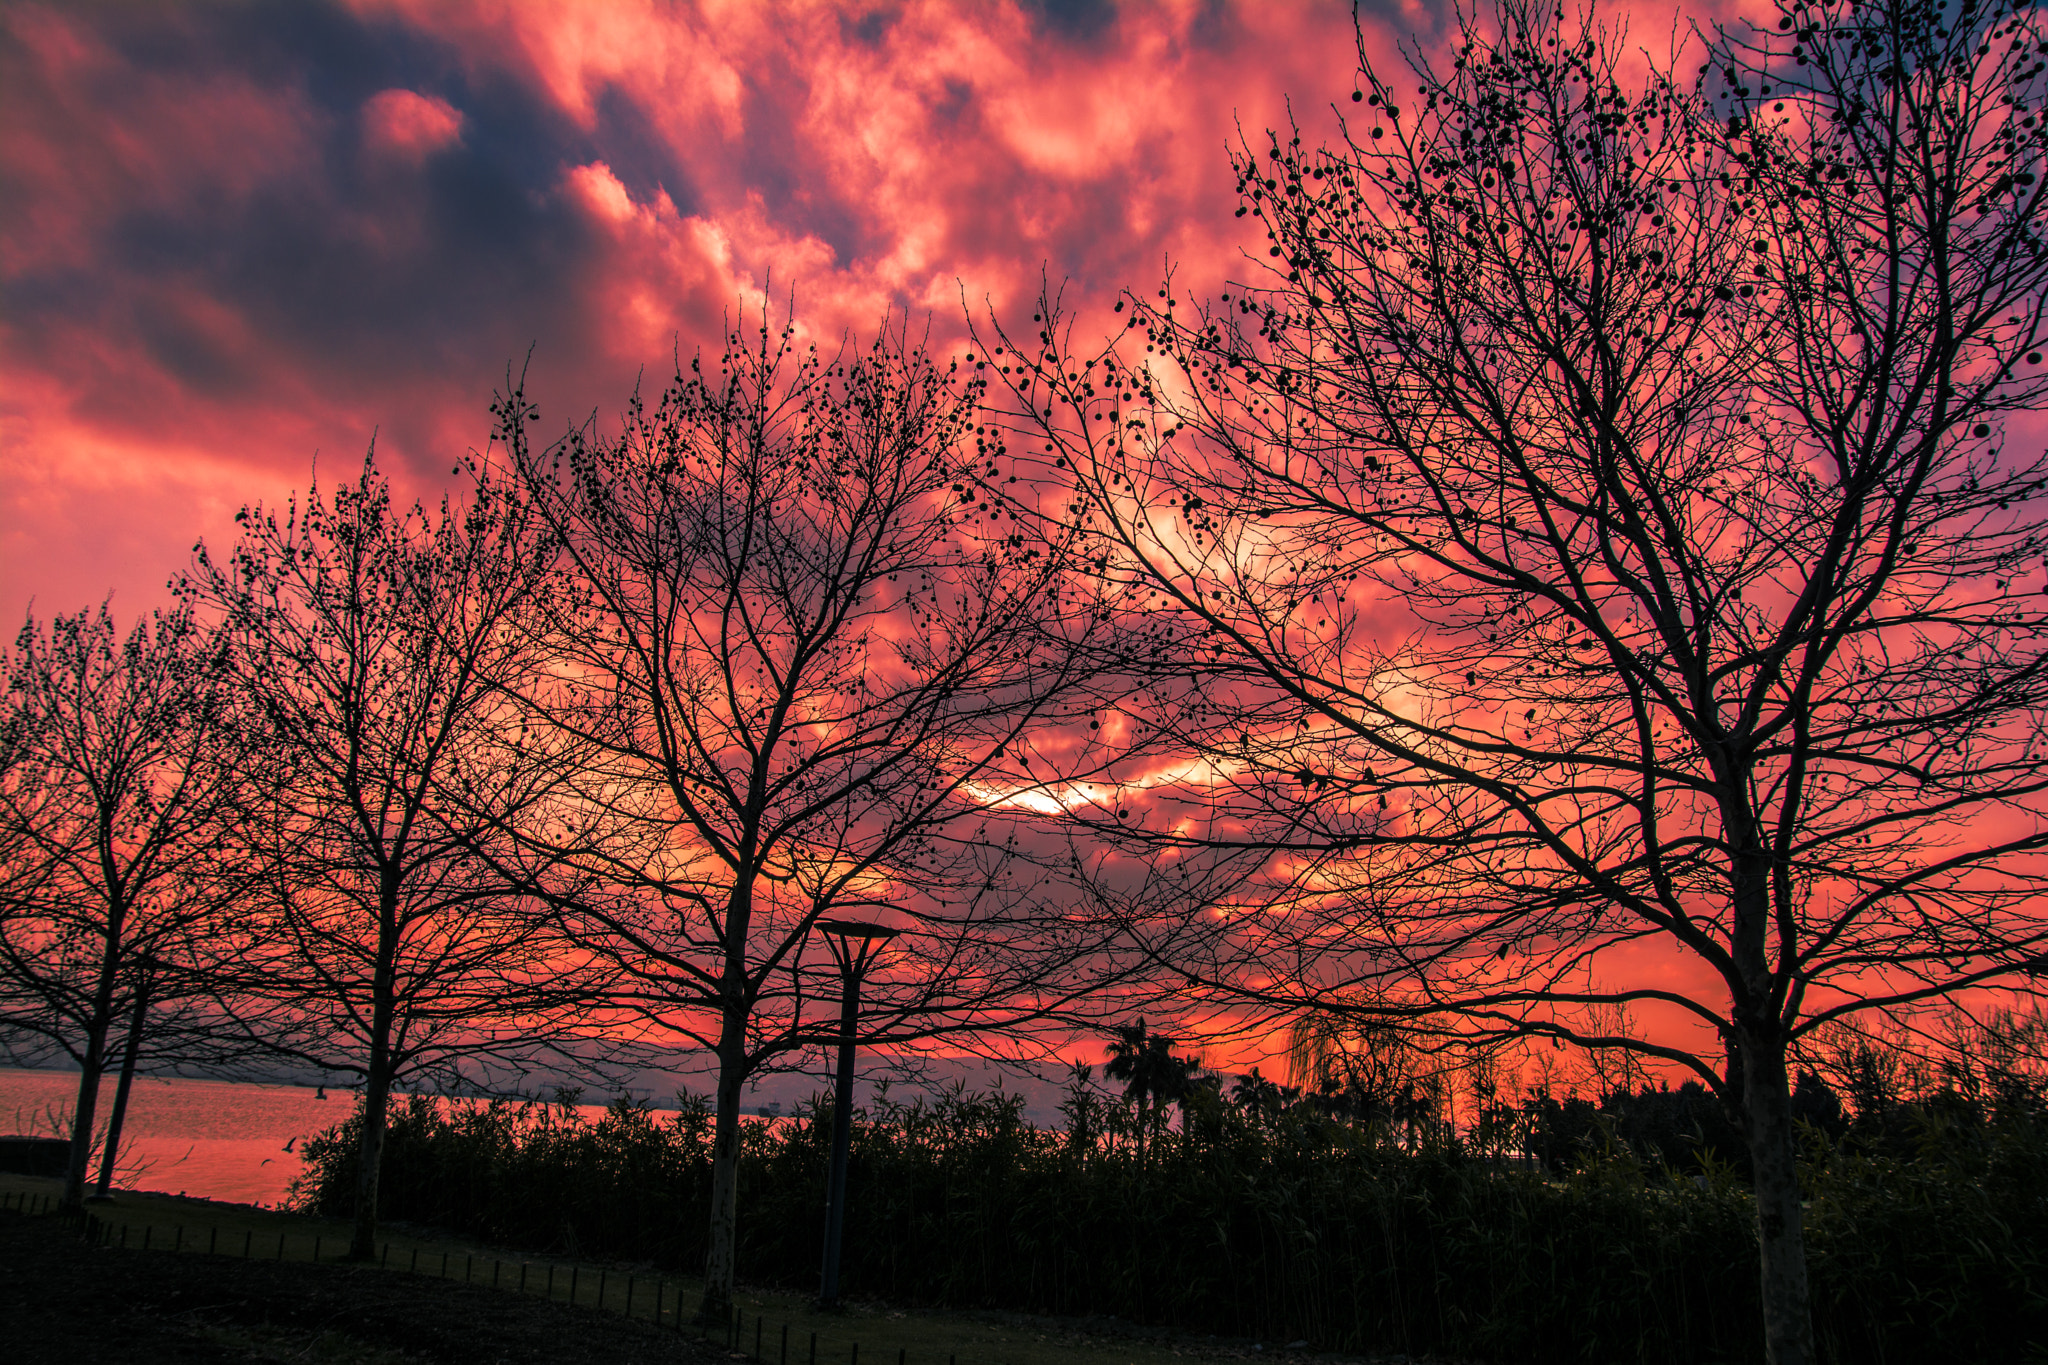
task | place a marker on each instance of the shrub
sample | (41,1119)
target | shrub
(1273,1221)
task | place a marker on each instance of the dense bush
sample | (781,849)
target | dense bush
(1281,1221)
(1687,1129)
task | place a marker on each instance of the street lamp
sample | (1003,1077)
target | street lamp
(854,946)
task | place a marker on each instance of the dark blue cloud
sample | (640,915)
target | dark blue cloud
(348,267)
(626,139)
(775,159)
(1215,27)
(1072,20)
(952,110)
(336,57)
(868,28)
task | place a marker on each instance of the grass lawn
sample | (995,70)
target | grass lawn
(183,1279)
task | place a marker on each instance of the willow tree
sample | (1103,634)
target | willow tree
(1591,525)
(802,656)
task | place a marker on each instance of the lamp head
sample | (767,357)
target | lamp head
(854,944)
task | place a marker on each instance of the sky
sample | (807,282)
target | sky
(240,241)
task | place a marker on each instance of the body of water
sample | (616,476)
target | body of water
(212,1139)
(228,1140)
(235,1140)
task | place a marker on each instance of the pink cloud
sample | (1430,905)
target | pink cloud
(408,125)
(249,255)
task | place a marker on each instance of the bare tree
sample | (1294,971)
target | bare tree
(1590,540)
(375,647)
(800,669)
(115,769)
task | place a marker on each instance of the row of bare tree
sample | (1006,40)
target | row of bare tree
(416,797)
(1581,570)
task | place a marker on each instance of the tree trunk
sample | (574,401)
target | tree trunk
(725,1170)
(370,1156)
(119,1116)
(83,1113)
(376,1090)
(1780,1230)
(93,1064)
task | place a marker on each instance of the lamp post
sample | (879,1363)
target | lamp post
(854,946)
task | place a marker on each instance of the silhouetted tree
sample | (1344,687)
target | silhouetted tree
(116,768)
(375,648)
(1595,529)
(1153,1077)
(801,663)
(1366,1066)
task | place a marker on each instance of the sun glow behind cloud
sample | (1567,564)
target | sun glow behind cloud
(1189,776)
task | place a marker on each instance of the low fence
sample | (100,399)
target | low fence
(651,1299)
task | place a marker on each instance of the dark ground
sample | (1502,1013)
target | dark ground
(64,1303)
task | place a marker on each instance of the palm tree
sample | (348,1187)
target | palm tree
(1153,1077)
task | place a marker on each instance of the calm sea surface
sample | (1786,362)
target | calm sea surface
(213,1139)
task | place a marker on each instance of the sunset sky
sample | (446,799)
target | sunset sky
(237,238)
